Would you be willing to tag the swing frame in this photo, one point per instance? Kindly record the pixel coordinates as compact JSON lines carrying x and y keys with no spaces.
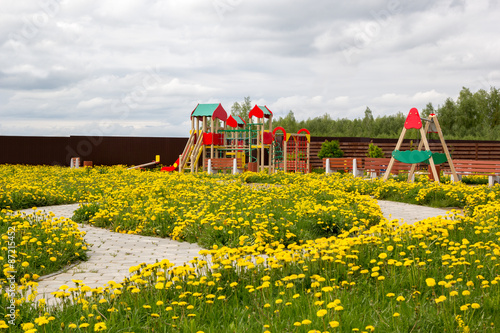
{"x":431,"y":119}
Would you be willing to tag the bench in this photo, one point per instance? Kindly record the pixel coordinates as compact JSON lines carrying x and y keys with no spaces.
{"x":226,"y":165}
{"x":475,"y":167}
{"x":347,"y":164}
{"x":377,"y":166}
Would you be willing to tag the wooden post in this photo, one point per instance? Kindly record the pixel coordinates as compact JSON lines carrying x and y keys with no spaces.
{"x":284,"y":153}
{"x":391,"y":163}
{"x":295,"y":141}
{"x":308,"y":164}
{"x":204,"y":152}
{"x":431,"y":160}
{"x":271,"y":156}
{"x":262,"y":145}
{"x":445,"y":148}
{"x":420,"y":144}
{"x":212,"y":132}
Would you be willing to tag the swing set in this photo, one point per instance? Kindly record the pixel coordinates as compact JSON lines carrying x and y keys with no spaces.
{"x":414,"y":157}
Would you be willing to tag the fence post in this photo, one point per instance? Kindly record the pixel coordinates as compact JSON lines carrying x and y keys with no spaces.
{"x":75,"y":162}
{"x":235,"y":166}
{"x":354,"y":168}
{"x":209,"y":167}
{"x":327,"y":171}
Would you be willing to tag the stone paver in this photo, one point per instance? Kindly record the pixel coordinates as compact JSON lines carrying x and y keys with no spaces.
{"x":407,"y":213}
{"x":112,"y":254}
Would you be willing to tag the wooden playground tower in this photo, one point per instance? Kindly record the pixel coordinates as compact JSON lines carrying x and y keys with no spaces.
{"x":221,"y":140}
{"x":414,"y":157}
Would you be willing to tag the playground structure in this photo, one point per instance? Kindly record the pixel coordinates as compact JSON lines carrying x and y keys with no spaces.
{"x":291,"y":152}
{"x":414,"y":157}
{"x":221,"y":142}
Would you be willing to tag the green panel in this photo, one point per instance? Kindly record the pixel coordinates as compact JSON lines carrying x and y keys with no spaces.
{"x":438,"y":158}
{"x":265,"y":110}
{"x":204,"y":110}
{"x":411,"y":156}
{"x":239,"y":121}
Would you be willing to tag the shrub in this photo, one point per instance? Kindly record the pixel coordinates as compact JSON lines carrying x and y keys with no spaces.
{"x":330,"y":149}
{"x":374,"y":151}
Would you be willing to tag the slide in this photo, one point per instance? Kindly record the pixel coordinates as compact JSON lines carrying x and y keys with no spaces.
{"x":171,"y":168}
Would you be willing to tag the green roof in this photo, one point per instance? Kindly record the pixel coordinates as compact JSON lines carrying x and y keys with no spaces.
{"x":204,"y":110}
{"x":265,"y":110}
{"x":239,"y":120}
{"x":210,"y":110}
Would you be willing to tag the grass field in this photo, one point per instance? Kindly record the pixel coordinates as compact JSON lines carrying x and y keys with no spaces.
{"x":283,"y":253}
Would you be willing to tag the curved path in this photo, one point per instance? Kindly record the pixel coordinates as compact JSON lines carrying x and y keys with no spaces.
{"x":111,"y":254}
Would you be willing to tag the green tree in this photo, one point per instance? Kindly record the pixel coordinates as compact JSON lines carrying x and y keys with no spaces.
{"x":493,"y":107}
{"x":374,"y":151}
{"x":330,"y":149}
{"x":242,"y":109}
{"x":429,"y":108}
{"x":368,"y":122}
{"x":289,"y":123}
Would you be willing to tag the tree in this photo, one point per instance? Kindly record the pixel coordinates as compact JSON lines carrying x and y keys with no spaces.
{"x":429,"y":108}
{"x":242,"y":109}
{"x":289,"y":123}
{"x":374,"y":151}
{"x":493,"y":113}
{"x":330,"y":149}
{"x":368,"y":122}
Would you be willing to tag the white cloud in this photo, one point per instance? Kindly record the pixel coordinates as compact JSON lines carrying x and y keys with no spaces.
{"x":69,"y":65}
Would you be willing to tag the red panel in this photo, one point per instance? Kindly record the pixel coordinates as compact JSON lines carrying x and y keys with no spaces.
{"x":218,"y":139}
{"x":211,"y":138}
{"x":413,"y":120}
{"x":231,"y":122}
{"x":220,"y":113}
{"x":268,"y":138}
{"x":207,"y":139}
{"x":256,"y":112}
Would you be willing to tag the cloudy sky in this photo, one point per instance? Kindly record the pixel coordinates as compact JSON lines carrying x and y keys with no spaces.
{"x":139,"y":67}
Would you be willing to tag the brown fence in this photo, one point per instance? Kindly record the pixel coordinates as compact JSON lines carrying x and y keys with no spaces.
{"x":459,"y":149}
{"x":138,"y":150}
{"x":99,"y":150}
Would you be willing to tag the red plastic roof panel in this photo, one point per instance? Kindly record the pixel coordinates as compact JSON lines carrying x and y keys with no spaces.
{"x":231,"y":122}
{"x":256,"y":112}
{"x":413,"y":119}
{"x":235,"y":121}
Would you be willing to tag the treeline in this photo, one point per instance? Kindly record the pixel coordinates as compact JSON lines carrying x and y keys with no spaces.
{"x":473,"y":116}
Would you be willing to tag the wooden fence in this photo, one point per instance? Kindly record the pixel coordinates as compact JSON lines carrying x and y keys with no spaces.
{"x":459,"y":149}
{"x":138,"y":150}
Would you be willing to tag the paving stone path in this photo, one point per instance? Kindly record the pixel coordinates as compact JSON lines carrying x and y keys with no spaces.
{"x":112,"y":254}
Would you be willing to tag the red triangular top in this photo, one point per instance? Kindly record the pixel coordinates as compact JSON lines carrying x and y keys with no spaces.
{"x":413,"y":120}
{"x":231,"y":122}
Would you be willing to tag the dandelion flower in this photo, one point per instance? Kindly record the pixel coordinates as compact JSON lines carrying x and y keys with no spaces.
{"x":321,"y":313}
{"x":440,"y":299}
{"x":430,"y":282}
